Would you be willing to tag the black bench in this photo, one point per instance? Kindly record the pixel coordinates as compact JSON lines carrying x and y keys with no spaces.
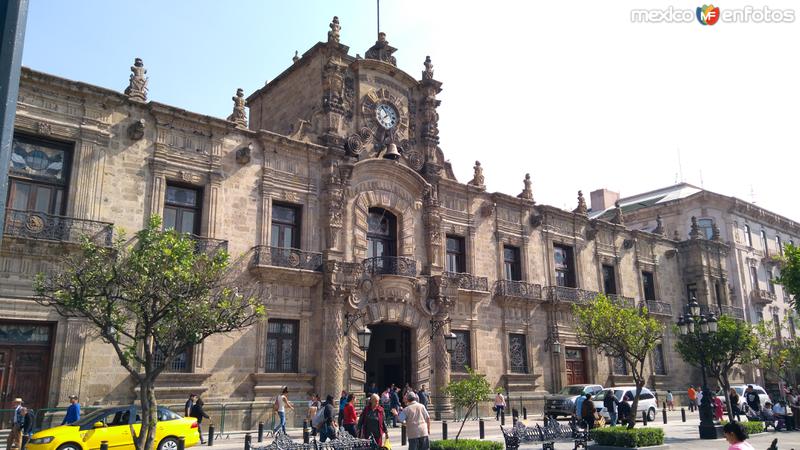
{"x":344,"y":442}
{"x":548,"y":435}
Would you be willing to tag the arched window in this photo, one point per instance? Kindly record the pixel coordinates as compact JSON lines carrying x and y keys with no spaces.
{"x":381,"y":233}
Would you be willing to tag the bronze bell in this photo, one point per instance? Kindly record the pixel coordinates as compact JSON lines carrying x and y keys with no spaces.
{"x":391,"y":152}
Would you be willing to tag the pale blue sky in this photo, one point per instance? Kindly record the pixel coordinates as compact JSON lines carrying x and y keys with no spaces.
{"x":573,"y":93}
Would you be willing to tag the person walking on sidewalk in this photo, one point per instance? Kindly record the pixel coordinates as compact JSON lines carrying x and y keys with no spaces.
{"x":199,"y":414}
{"x":187,"y":407}
{"x":349,"y":421}
{"x":499,"y":405}
{"x":328,"y":427}
{"x":670,"y":401}
{"x":26,"y":429}
{"x":15,"y":435}
{"x":73,"y":411}
{"x":418,"y":422}
{"x":371,"y":423}
{"x":394,"y":403}
{"x":342,"y":402}
{"x":692,"y":395}
{"x":423,"y":396}
{"x":610,"y":402}
{"x":281,"y":402}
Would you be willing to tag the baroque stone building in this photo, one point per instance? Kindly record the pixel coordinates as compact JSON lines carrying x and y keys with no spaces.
{"x":337,"y":193}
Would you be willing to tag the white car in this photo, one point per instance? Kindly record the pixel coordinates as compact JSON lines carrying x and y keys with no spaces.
{"x":740,"y":388}
{"x":647,"y":401}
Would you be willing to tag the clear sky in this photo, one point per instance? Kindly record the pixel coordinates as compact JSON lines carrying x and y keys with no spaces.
{"x":572,"y":92}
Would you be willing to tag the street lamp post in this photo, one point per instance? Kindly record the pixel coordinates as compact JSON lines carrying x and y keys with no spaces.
{"x":706,"y":325}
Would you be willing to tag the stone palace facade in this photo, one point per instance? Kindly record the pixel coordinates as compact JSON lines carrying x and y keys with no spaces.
{"x":337,"y":193}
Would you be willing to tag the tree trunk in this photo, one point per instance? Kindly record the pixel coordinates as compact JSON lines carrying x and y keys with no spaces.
{"x":635,"y":405}
{"x":149,"y":413}
{"x":726,"y":389}
{"x":464,"y":420}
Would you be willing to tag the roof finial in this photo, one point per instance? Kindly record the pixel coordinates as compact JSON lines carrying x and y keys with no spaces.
{"x":714,"y":231}
{"x":333,"y":35}
{"x":694,"y":231}
{"x":137,"y":87}
{"x":239,"y":116}
{"x":617,"y":218}
{"x":527,"y":192}
{"x":296,"y":57}
{"x":477,"y":176}
{"x":427,"y":74}
{"x":659,"y":226}
{"x":581,"y":209}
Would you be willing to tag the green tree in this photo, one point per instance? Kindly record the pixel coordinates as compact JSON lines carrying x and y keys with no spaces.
{"x":619,"y":331}
{"x":778,"y":357}
{"x":150,"y":298}
{"x":735,"y":343}
{"x":467,"y":393}
{"x":790,"y":273}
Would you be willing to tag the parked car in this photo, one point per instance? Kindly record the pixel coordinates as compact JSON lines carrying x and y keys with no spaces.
{"x":740,"y":388}
{"x":563,"y":403}
{"x":116,"y":425}
{"x":647,"y":401}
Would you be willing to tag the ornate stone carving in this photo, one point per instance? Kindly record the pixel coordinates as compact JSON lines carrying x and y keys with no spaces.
{"x":415,"y":159}
{"x":296,"y":57}
{"x":137,"y":87}
{"x":694,"y":231}
{"x":333,"y":35}
{"x":239,"y":116}
{"x":136,"y":130}
{"x":714,"y":231}
{"x":659,"y":229}
{"x":358,"y":142}
{"x":487,"y":209}
{"x":582,"y":209}
{"x":244,"y":154}
{"x":477,"y":176}
{"x":427,"y":74}
{"x":617,"y":218}
{"x":382,"y":51}
{"x":44,"y":128}
{"x":527,"y":191}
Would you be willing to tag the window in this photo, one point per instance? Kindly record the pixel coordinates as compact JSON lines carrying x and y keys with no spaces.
{"x":285,"y":231}
{"x":706,"y":226}
{"x":658,"y":360}
{"x":649,"y":285}
{"x":754,"y":277}
{"x":565,"y":266}
{"x":691,"y":292}
{"x":717,"y":293}
{"x":609,"y":280}
{"x":180,"y":364}
{"x":748,"y":236}
{"x":779,"y":244}
{"x":182,"y":209}
{"x":770,"y":283}
{"x":518,"y":353}
{"x":759,"y":316}
{"x":646,"y":395}
{"x":282,"y":345}
{"x":38,"y":175}
{"x":776,"y":322}
{"x":511,"y":263}
{"x":381,"y":233}
{"x":619,"y":366}
{"x":764,"y":241}
{"x":461,"y":357}
{"x":456,"y":258}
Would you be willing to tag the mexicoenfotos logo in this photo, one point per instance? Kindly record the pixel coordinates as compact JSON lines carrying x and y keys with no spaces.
{"x":707,"y":14}
{"x":710,"y":15}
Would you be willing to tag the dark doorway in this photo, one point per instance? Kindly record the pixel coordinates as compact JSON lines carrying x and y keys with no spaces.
{"x":389,"y":355}
{"x":25,"y":350}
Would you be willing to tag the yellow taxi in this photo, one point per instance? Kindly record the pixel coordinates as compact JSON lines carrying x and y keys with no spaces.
{"x":118,"y":426}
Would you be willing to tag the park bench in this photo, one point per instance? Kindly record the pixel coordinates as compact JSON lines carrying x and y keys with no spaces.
{"x":548,"y":435}
{"x":344,"y":442}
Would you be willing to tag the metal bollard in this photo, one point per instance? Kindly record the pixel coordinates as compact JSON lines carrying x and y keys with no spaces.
{"x":444,"y":430}
{"x":683,"y":415}
{"x":503,"y":417}
{"x":103,"y":445}
{"x":181,"y":443}
{"x":306,"y":433}
{"x":247,"y":441}
{"x":260,"y":431}
{"x":403,"y":437}
{"x":644,"y":418}
{"x":481,"y":431}
{"x":210,"y":435}
{"x":664,"y":415}
{"x":514,"y":417}
{"x":525,"y":413}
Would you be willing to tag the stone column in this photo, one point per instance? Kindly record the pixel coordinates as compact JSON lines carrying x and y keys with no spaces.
{"x":441,"y":370}
{"x":158,"y":189}
{"x":332,"y":347}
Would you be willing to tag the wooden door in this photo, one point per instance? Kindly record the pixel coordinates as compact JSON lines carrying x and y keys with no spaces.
{"x":29,"y":378}
{"x":5,"y":401}
{"x":576,"y":366}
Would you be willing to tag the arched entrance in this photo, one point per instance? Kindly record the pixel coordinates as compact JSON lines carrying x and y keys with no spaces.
{"x":389,"y":355}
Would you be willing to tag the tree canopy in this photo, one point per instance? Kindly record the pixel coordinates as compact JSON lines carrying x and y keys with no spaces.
{"x":467,"y":393}
{"x":790,"y":273}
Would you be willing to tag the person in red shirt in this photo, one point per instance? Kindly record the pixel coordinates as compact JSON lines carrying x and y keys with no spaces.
{"x":350,"y":418}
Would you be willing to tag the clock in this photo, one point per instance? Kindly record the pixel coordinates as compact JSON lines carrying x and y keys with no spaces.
{"x":386,"y":115}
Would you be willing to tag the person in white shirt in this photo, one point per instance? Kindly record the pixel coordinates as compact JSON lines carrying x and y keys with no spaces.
{"x":418,"y":422}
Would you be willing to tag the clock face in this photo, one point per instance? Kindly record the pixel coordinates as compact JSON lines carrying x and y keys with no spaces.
{"x":386,"y":115}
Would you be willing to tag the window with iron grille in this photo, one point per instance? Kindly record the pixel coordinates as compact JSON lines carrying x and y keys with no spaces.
{"x":518,"y":353}
{"x":282,"y":345}
{"x":456,"y":258}
{"x":659,"y":366}
{"x":182,"y":363}
{"x":461,"y":357}
{"x":38,"y":175}
{"x":619,"y":366}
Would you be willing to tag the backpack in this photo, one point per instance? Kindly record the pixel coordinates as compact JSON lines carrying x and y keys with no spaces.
{"x":318,"y":418}
{"x":277,"y":405}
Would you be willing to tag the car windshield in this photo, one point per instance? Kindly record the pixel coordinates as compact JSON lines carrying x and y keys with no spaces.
{"x":737,"y":389}
{"x":572,"y":390}
{"x":602,"y":395}
{"x":94,"y":416}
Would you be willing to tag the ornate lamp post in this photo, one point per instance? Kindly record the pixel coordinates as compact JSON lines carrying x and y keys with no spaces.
{"x":450,"y":342}
{"x":364,"y":337}
{"x":706,"y":324}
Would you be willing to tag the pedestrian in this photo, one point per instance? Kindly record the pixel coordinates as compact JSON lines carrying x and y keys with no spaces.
{"x":499,"y":405}
{"x":733,"y":401}
{"x":611,"y":403}
{"x":779,"y":410}
{"x":313,"y":407}
{"x":394,"y":403}
{"x":717,"y":403}
{"x":26,"y":429}
{"x":281,"y":402}
{"x":73,"y":411}
{"x":624,"y":410}
{"x":423,"y":396}
{"x":418,"y":422}
{"x":187,"y":408}
{"x":373,"y":389}
{"x":328,"y":428}
{"x":588,"y":411}
{"x":670,"y":401}
{"x":342,"y":402}
{"x":692,"y":395}
{"x":199,"y":414}
{"x":752,"y":399}
{"x":350,"y":420}
{"x":736,"y":436}
{"x":14,"y":434}
{"x":371,"y":422}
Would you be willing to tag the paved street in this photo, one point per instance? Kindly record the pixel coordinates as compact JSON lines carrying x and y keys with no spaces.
{"x":679,"y":435}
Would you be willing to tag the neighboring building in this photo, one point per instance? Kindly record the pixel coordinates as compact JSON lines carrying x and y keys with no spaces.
{"x":339,"y":196}
{"x":755,"y":236}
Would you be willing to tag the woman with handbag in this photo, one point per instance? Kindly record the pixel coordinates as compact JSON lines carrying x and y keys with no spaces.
{"x":371,"y":423}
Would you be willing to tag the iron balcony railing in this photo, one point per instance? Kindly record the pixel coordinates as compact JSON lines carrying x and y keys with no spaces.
{"x":659,"y":308}
{"x":762,"y":296}
{"x":390,"y":265}
{"x":468,"y":281}
{"x":38,"y":225}
{"x":519,"y":289}
{"x":292,"y":258}
{"x":569,"y":294}
{"x":627,"y":302}
{"x":727,"y":310}
{"x":208,"y":245}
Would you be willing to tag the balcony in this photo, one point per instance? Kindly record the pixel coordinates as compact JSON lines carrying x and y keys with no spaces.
{"x":49,"y":227}
{"x":390,"y":265}
{"x":762,"y":297}
{"x":290,"y":258}
{"x":468,"y":282}
{"x":517,"y":290}
{"x":569,"y":294}
{"x":208,"y":245}
{"x":732,"y":311}
{"x":627,"y":302}
{"x":658,"y":308}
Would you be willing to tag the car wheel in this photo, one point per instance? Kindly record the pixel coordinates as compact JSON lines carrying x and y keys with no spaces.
{"x":651,"y":414}
{"x":168,"y":444}
{"x":69,"y":446}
